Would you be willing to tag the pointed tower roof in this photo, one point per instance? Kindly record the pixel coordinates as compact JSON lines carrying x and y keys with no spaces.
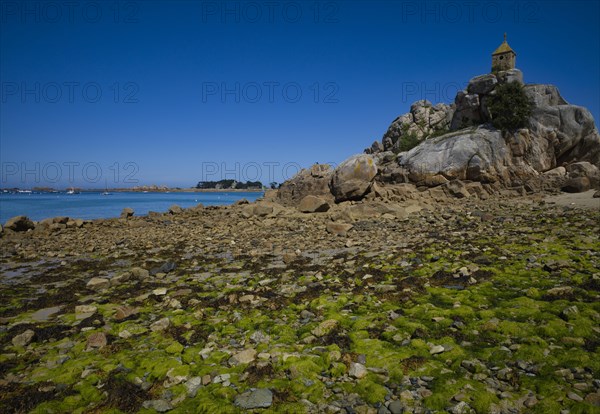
{"x":503,"y":48}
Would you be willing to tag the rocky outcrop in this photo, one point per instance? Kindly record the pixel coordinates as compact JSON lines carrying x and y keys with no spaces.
{"x":558,"y":134}
{"x":476,"y":154}
{"x":559,"y":148}
{"x":423,"y":120}
{"x":564,"y":133}
{"x":472,"y":104}
{"x":352,"y":178}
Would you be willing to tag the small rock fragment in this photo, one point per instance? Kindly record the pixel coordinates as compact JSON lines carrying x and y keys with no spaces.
{"x":257,"y":398}
{"x":24,"y":338}
{"x":98,"y":283}
{"x":357,"y":370}
{"x":160,"y":325}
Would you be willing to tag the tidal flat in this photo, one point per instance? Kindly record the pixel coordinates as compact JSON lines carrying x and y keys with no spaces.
{"x":463,"y":307}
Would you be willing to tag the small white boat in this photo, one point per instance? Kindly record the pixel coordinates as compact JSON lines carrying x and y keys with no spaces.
{"x":106,"y":189}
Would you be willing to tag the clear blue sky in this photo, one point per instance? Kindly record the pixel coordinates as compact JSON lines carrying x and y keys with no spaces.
{"x":172,"y":93}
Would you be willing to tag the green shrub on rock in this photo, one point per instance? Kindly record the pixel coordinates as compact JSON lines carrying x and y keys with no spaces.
{"x":509,"y":107}
{"x":408,"y":142}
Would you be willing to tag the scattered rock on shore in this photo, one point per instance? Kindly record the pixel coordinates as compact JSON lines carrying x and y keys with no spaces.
{"x":19,"y":223}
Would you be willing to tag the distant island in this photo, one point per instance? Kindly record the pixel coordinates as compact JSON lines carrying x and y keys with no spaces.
{"x":232,"y":185}
{"x":202,"y":186}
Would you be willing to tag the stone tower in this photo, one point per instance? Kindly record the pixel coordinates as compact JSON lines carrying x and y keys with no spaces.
{"x":504,"y":57}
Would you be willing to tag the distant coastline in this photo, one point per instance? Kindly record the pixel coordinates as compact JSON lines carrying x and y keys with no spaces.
{"x":133,"y":190}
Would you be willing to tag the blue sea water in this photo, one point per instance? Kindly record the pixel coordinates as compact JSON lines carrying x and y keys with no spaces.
{"x":93,"y":205}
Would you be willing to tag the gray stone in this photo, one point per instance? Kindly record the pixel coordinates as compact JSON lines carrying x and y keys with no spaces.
{"x":383,"y":410}
{"x":160,"y":325}
{"x":461,"y":408}
{"x":161,"y":406}
{"x":257,"y":398}
{"x":84,"y":311}
{"x":573,"y":396}
{"x":192,"y":385}
{"x":436,"y":349}
{"x":396,"y":407}
{"x":23,"y":339}
{"x":357,"y":370}
{"x":259,"y":337}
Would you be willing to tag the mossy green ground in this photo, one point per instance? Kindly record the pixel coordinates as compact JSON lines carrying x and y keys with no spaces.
{"x":506,"y":313}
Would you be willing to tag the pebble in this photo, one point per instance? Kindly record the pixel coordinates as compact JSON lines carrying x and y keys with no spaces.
{"x":98,"y":283}
{"x":325,"y":327}
{"x":192,"y":385}
{"x":436,"y":349}
{"x":161,"y":406}
{"x":97,"y":340}
{"x":243,"y":357}
{"x":160,"y":325}
{"x":357,"y":370}
{"x":24,"y":338}
{"x":256,"y":398}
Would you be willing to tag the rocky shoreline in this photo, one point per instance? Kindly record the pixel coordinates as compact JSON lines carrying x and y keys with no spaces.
{"x":476,"y":304}
{"x":442,"y":271}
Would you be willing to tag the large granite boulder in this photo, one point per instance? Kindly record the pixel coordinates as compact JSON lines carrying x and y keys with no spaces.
{"x":473,"y":154}
{"x":312,"y":181}
{"x":313,"y":204}
{"x":482,"y":84}
{"x":511,"y":75}
{"x":352,"y":178}
{"x":563,"y":133}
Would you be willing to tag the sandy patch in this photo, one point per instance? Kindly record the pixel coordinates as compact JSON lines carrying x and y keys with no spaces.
{"x":585,"y":200}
